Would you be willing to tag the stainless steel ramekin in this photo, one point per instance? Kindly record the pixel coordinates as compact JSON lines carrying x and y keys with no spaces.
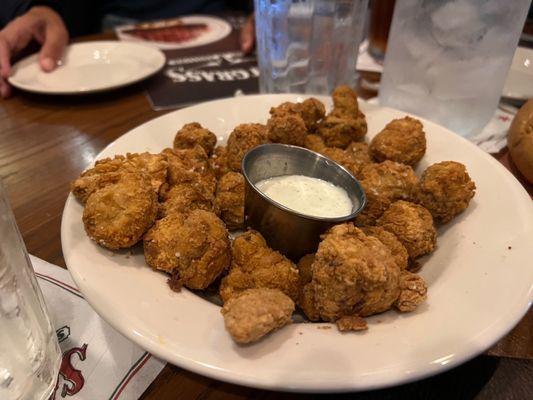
{"x":286,"y":230}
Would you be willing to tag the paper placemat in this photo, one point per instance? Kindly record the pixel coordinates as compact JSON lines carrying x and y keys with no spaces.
{"x":98,"y":362}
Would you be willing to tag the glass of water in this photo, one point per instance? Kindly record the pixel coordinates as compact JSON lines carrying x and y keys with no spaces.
{"x":447,"y":60}
{"x":29,"y":352}
{"x":308,"y":46}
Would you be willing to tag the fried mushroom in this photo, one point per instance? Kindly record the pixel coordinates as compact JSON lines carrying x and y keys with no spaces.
{"x":413,"y":292}
{"x":390,"y":240}
{"x":287,"y":128}
{"x":311,"y":110}
{"x":118,"y":215}
{"x":412,"y":224}
{"x":254,"y":313}
{"x":255,"y":265}
{"x":315,"y":143}
{"x":244,"y":137}
{"x":353,"y":274}
{"x":193,"y":134}
{"x":385,"y":183}
{"x":194,"y":247}
{"x":446,"y":190}
{"x":218,"y":161}
{"x":109,"y":170}
{"x":402,"y":140}
{"x":229,"y":200}
{"x":185,"y":197}
{"x":189,"y":166}
{"x":345,"y":123}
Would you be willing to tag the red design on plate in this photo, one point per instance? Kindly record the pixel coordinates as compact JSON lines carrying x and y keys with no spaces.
{"x":177,"y":33}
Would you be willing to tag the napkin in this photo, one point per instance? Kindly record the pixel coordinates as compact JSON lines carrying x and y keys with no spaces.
{"x":98,"y":362}
{"x":493,"y":137}
{"x":365,"y":62}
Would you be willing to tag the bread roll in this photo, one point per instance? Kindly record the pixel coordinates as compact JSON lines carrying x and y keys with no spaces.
{"x":520,"y":140}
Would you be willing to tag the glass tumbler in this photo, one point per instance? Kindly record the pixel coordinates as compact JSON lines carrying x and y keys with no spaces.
{"x":29,"y":351}
{"x":308,"y":46}
{"x":379,"y":27}
{"x":447,"y":60}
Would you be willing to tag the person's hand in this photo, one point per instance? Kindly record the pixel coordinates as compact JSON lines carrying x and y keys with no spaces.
{"x":247,"y":38}
{"x":40,"y":23}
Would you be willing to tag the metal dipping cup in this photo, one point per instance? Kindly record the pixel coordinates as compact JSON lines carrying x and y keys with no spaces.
{"x":286,"y":230}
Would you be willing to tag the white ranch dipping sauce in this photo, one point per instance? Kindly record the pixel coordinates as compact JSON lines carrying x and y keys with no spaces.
{"x":306,"y":195}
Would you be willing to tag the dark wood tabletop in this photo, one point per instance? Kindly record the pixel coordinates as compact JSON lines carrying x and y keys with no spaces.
{"x":46,"y":141}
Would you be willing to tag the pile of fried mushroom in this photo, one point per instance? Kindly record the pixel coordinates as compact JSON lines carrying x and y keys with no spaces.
{"x":183,"y":202}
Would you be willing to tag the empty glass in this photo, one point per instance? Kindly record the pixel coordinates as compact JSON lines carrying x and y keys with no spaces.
{"x":308,"y":46}
{"x":29,"y":351}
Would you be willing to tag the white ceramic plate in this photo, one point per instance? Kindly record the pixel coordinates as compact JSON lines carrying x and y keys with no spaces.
{"x":216,"y":29}
{"x":90,"y":67}
{"x":480,"y":280}
{"x":519,"y":83}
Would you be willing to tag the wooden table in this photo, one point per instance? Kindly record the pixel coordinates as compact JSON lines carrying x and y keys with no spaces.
{"x":45,"y":142}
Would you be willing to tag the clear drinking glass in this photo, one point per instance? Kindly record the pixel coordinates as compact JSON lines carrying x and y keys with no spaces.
{"x":308,"y":46}
{"x":29,"y":351}
{"x":447,"y":60}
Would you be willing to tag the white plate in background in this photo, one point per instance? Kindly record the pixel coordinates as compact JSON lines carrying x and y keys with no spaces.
{"x":216,"y":29}
{"x":519,"y":83}
{"x":89,"y":67}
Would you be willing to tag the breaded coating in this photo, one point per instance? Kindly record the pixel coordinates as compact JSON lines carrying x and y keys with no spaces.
{"x":255,"y":265}
{"x":229,"y":200}
{"x":446,"y":190}
{"x":351,"y":323}
{"x":195,"y":246}
{"x":219,"y":161}
{"x":353,"y":158}
{"x":311,"y":110}
{"x":402,"y":140}
{"x":376,"y":204}
{"x":243,"y":138}
{"x":256,"y":312}
{"x":353,"y":274}
{"x":117,"y":215}
{"x":306,"y":297}
{"x":344,"y":158}
{"x":306,"y":301}
{"x":287,"y":128}
{"x":189,"y":166}
{"x":305,"y":268}
{"x":383,"y":184}
{"x":108,"y":171}
{"x":195,"y":134}
{"x":390,"y":240}
{"x":345,"y":100}
{"x":86,"y":185}
{"x":413,"y":226}
{"x":185,"y":197}
{"x":345,"y":123}
{"x":360,"y":152}
{"x":315,"y":143}
{"x":340,"y":130}
{"x":413,"y":292}
{"x":391,"y":179}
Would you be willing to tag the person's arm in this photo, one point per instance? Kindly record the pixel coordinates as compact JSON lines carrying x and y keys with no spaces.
{"x":40,"y":23}
{"x":247,"y":38}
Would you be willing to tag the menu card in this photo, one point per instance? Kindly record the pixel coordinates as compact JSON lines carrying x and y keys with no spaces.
{"x":196,"y":73}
